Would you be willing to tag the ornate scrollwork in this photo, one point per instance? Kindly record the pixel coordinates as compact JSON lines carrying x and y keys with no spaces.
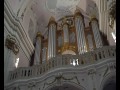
{"x":58,"y":78}
{"x":11,"y":44}
{"x":91,"y":71}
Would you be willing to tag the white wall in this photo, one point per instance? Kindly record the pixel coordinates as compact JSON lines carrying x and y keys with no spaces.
{"x":9,"y":28}
{"x":29,"y":15}
{"x":23,"y":61}
{"x":23,"y":7}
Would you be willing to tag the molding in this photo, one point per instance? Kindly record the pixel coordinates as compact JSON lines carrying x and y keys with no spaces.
{"x":16,"y":29}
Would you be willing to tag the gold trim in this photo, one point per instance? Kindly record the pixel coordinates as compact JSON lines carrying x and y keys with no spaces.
{"x":67,"y":46}
{"x":77,"y":10}
{"x":11,"y":44}
{"x":78,"y":13}
{"x":51,"y":21}
{"x":39,"y":34}
{"x":93,"y":18}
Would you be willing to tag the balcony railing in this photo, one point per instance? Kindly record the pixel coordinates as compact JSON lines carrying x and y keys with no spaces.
{"x":99,"y":54}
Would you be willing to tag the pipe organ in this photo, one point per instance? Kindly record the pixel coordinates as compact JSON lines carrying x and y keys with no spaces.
{"x":69,"y":35}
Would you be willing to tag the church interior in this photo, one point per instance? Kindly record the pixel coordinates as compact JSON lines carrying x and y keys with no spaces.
{"x":59,"y":44}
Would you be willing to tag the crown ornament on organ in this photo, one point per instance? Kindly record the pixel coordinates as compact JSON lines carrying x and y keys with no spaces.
{"x":92,"y":18}
{"x":51,"y":19}
{"x":77,"y":10}
{"x":39,"y":34}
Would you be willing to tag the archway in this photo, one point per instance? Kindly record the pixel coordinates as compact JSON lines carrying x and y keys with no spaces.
{"x":109,"y":82}
{"x":66,"y":86}
{"x":110,"y":86}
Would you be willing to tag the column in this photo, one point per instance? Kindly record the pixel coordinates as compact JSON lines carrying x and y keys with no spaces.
{"x":96,"y":33}
{"x":37,"y":58}
{"x":80,"y":34}
{"x":103,"y":18}
{"x":52,"y":38}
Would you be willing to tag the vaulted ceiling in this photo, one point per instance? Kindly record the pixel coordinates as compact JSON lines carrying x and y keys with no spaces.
{"x":44,"y":9}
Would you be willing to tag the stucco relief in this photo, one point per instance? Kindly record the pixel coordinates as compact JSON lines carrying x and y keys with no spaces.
{"x":12,"y":45}
{"x":59,"y":79}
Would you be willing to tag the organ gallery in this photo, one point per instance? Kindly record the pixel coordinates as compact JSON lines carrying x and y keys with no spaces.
{"x":59,"y":44}
{"x":68,"y":35}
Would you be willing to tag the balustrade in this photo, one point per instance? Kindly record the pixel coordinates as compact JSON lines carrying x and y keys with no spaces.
{"x":63,"y":60}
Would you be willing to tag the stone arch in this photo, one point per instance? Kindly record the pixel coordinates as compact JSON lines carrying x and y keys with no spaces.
{"x":66,"y":84}
{"x":111,"y":77}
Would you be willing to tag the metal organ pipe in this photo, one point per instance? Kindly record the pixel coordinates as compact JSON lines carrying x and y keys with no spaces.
{"x":96,"y":33}
{"x":80,"y":33}
{"x":52,"y":38}
{"x":54,"y":41}
{"x":66,"y":33}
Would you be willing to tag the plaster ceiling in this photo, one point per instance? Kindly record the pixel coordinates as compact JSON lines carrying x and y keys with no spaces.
{"x":44,"y":9}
